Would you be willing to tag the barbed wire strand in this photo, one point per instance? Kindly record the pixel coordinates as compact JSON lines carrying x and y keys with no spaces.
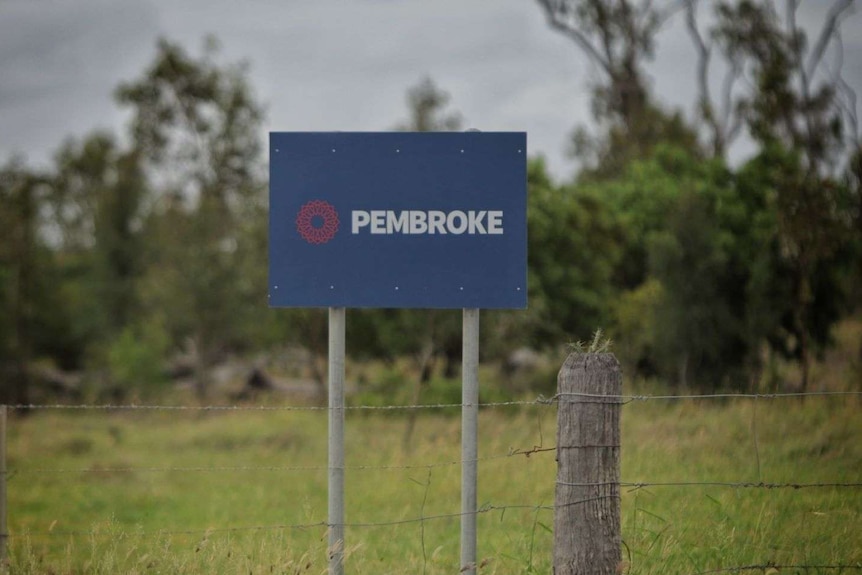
{"x":521,"y":403}
{"x":136,"y":407}
{"x":226,"y":469}
{"x":634,"y":486}
{"x":250,"y":468}
{"x":778,"y":566}
{"x":514,"y":452}
{"x":633,"y":398}
{"x":163,"y":532}
{"x":487,"y":508}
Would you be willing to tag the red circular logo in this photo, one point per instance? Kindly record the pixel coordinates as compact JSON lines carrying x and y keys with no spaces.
{"x":317,"y":222}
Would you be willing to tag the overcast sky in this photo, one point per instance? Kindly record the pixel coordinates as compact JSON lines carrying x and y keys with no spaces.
{"x":324,"y":64}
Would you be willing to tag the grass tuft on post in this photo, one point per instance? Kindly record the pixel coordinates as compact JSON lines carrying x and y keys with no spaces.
{"x":587,"y":538}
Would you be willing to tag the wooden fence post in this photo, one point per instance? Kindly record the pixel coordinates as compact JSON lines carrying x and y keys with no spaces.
{"x":587,"y":538}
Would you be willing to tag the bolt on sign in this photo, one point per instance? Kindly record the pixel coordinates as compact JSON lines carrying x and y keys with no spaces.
{"x":398,"y":220}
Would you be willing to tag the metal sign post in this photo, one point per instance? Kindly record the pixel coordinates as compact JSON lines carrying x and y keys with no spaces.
{"x":336,"y":440}
{"x":469,"y":438}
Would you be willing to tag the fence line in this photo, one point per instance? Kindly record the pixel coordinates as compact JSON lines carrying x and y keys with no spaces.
{"x":539,"y":401}
{"x":488,"y":508}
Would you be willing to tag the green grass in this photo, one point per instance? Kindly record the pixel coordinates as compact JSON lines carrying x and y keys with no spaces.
{"x":101,"y":492}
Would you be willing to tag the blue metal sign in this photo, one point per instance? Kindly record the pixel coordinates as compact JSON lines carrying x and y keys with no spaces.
{"x":398,"y":220}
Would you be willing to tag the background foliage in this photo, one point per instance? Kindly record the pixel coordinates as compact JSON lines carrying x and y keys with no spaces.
{"x":140,"y":256}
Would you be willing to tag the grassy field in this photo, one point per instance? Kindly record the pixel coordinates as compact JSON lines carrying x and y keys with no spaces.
{"x":174,"y":492}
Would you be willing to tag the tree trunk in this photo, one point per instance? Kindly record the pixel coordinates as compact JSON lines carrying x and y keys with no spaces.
{"x":682,"y":376}
{"x":23,"y":298}
{"x":804,"y":359}
{"x":804,"y":301}
{"x":201,"y":369}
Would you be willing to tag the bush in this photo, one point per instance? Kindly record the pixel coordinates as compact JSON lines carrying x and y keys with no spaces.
{"x":135,"y":358}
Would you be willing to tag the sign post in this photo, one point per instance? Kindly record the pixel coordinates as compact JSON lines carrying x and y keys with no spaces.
{"x":335,"y":517}
{"x":469,"y":438}
{"x":399,"y":220}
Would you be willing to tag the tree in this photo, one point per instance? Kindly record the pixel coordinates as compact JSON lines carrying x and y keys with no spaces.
{"x":700,"y":316}
{"x":573,"y":249}
{"x":721,"y":115}
{"x":18,"y":276}
{"x":854,"y":186}
{"x":618,"y":37}
{"x":795,"y":114}
{"x":712,"y":264}
{"x":196,"y":125}
{"x":809,"y":261}
{"x":96,"y":200}
{"x":679,"y":308}
{"x":702,"y":285}
{"x":794,"y":101}
{"x":426,"y":105}
{"x":71,"y":256}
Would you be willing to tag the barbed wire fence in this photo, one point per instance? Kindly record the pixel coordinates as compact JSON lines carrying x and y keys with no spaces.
{"x":7,"y":474}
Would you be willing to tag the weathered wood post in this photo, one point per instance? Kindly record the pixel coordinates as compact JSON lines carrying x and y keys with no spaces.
{"x":587,"y":537}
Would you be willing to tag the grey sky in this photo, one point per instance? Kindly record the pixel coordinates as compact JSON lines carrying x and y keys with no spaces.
{"x":323,"y":64}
